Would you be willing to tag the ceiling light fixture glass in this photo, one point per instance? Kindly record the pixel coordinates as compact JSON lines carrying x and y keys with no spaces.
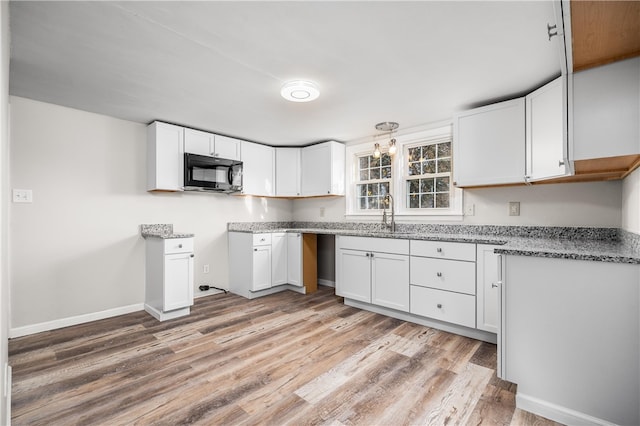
{"x":300,"y":91}
{"x":376,"y":150}
{"x":387,"y":126}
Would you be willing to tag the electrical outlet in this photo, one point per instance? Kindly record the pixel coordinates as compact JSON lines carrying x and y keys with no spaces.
{"x":514,"y":208}
{"x":470,"y":210}
{"x":22,"y":196}
{"x":205,"y":269}
{"x":321,"y":211}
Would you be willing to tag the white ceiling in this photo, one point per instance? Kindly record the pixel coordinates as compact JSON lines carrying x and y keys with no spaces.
{"x":219,"y":66}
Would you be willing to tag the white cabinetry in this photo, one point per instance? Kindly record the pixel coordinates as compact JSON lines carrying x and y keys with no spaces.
{"x":488,"y":295}
{"x":288,"y":172}
{"x":168,"y":277}
{"x":323,"y":168}
{"x":204,"y":143}
{"x":373,"y":270}
{"x":489,"y":144}
{"x":165,"y":159}
{"x":279,"y":243}
{"x":606,"y":111}
{"x":571,"y":338}
{"x":261,"y":262}
{"x":258,"y":169}
{"x":294,"y":259}
{"x":443,"y":286}
{"x":546,"y":122}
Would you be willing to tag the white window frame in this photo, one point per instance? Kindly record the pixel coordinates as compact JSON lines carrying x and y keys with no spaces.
{"x":372,"y":181}
{"x":398,"y":170}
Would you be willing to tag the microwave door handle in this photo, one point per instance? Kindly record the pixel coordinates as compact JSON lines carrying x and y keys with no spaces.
{"x":230,"y":175}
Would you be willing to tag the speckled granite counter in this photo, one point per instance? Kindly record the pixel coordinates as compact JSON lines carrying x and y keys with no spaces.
{"x":161,"y":230}
{"x":596,"y":244}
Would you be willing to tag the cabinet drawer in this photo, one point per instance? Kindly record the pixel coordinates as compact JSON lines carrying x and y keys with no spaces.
{"x":451,"y":275}
{"x":444,"y":306}
{"x":381,"y":245}
{"x":178,"y":245}
{"x":261,"y":239}
{"x":444,"y":250}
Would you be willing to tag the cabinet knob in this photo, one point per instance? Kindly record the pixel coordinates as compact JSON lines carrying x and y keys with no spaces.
{"x":439,"y":250}
{"x":328,"y":192}
{"x":494,"y":285}
{"x":371,"y":254}
{"x":179,"y":245}
{"x":560,"y":163}
{"x":367,"y":254}
{"x":439,"y":274}
{"x":193,"y":255}
{"x":439,"y":305}
{"x":255,"y":249}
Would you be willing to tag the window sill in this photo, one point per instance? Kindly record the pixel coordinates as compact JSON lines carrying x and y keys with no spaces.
{"x":408,"y":217}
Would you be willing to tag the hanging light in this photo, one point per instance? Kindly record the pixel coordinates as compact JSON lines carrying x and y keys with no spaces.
{"x":376,"y":150}
{"x":387,"y":126}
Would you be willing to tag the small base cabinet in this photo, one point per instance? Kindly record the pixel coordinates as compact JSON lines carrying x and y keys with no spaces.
{"x":169,"y":277}
{"x":488,"y":297}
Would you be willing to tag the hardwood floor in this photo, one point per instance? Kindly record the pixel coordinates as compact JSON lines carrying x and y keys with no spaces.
{"x":280,"y":359}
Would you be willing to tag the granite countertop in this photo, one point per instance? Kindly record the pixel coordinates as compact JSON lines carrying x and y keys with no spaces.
{"x":161,"y":230}
{"x":595,"y":244}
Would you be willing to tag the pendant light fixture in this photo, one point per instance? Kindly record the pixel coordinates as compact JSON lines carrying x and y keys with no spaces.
{"x":386,"y":126}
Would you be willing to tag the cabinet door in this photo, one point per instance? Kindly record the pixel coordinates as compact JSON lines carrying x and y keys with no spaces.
{"x":546,"y":131}
{"x":198,"y":142}
{"x":390,"y":281}
{"x":489,"y":145}
{"x":353,"y":275}
{"x":278,"y":259}
{"x":261,"y":268}
{"x":488,"y":293}
{"x":226,"y":147}
{"x":287,"y":172}
{"x":257,"y":169}
{"x":316,"y":170}
{"x":178,"y":281}
{"x":294,"y":259}
{"x":165,"y":157}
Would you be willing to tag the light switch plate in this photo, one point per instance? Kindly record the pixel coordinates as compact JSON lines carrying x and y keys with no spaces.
{"x":469,"y":209}
{"x":22,"y":196}
{"x":514,"y":208}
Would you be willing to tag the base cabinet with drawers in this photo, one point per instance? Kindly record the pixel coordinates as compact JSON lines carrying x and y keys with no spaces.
{"x":428,"y":282}
{"x":168,"y":277}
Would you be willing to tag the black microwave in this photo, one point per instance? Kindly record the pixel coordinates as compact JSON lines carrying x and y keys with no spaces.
{"x":204,"y":173}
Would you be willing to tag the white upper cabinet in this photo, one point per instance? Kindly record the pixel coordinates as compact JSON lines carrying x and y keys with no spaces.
{"x":287,"y":172}
{"x":606,"y":111}
{"x":489,"y":144}
{"x":204,"y":143}
{"x":258,"y":169}
{"x":546,"y":141}
{"x":323,"y":168}
{"x":165,"y":164}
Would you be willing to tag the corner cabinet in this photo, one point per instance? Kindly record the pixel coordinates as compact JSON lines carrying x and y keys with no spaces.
{"x":288,"y":172}
{"x":168,"y":277}
{"x":165,"y":164}
{"x":258,"y":169}
{"x":323,"y":169}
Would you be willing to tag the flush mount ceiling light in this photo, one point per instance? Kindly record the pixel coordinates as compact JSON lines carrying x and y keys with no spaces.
{"x":300,"y":91}
{"x":386,"y":126}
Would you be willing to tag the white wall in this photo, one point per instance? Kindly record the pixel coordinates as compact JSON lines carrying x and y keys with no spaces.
{"x":5,"y":409}
{"x":573,"y":204}
{"x":76,"y":249}
{"x":631,"y":202}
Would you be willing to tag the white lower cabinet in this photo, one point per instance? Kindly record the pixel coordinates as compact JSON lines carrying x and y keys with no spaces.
{"x":168,"y":277}
{"x":278,"y":259}
{"x":261,"y":265}
{"x":369,"y":276}
{"x":294,"y":259}
{"x":444,"y":305}
{"x":488,"y":296}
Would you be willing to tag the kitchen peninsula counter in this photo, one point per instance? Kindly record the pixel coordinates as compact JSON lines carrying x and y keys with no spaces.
{"x":579,"y":243}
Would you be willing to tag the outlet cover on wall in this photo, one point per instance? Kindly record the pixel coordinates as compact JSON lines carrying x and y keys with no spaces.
{"x":469,"y":209}
{"x":514,"y":208}
{"x":205,"y":269}
{"x":22,"y":196}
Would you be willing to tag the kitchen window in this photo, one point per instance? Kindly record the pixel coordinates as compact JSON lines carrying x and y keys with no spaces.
{"x":428,"y":179}
{"x":374,"y":181}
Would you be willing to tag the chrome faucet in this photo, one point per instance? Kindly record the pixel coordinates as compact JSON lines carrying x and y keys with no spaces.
{"x":392,"y":225}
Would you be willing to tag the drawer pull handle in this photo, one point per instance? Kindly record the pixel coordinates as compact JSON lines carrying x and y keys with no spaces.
{"x":439,"y":305}
{"x":439,"y":250}
{"x":494,"y":285}
{"x":439,"y":274}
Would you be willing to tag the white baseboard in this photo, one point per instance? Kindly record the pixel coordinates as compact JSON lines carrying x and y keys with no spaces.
{"x":326,"y":283}
{"x":79,"y":319}
{"x":556,"y":413}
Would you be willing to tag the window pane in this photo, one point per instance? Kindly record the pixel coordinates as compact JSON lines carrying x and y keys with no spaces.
{"x":444,"y":166}
{"x":374,"y":162}
{"x":386,"y":159}
{"x":429,"y":167}
{"x":361,"y":190}
{"x":429,"y":152}
{"x":414,"y":186}
{"x":362,"y":201}
{"x":442,"y":184}
{"x":374,"y":189}
{"x":444,"y":149}
{"x":442,"y":200}
{"x":414,"y":154}
{"x":364,"y":162}
{"x":364,"y":174}
{"x":426,"y":185}
{"x":384,"y":188}
{"x":414,"y":169}
{"x":414,"y":202}
{"x":375,"y":173}
{"x":426,"y":201}
{"x":373,"y":203}
{"x":386,"y":172}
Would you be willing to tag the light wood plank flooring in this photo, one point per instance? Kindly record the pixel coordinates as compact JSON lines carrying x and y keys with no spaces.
{"x":281,"y":359}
